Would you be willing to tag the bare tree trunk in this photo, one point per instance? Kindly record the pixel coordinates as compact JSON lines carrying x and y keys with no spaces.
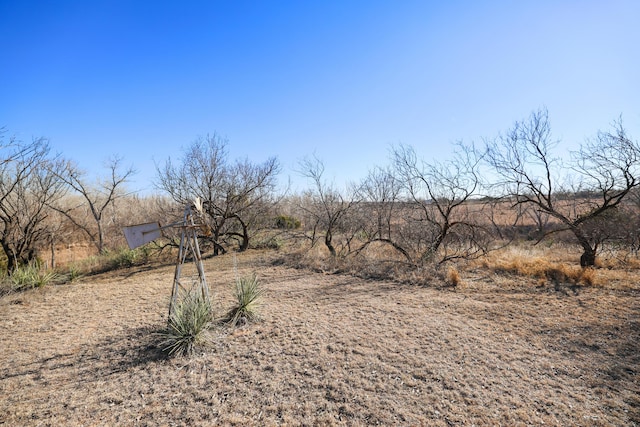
{"x":588,"y":257}
{"x":100,"y":237}
{"x":12,"y":261}
{"x":244,"y":244}
{"x":217,"y":247}
{"x":328,"y":237}
{"x":53,"y":254}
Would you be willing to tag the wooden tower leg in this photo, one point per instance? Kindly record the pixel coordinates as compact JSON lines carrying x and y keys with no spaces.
{"x":188,"y":246}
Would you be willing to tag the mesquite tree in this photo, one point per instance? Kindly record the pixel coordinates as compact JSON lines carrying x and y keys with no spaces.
{"x":439,"y":224}
{"x":29,"y":184}
{"x":96,"y":198}
{"x":606,"y":167}
{"x":234,"y":195}
{"x":383,"y":210}
{"x":327,"y":209}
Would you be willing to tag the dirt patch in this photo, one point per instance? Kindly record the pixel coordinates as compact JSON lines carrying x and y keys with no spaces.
{"x":330,"y":350}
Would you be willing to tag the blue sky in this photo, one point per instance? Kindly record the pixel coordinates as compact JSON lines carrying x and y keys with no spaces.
{"x":342,"y":79}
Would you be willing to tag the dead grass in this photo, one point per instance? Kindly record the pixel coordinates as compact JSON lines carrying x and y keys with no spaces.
{"x":537,"y":264}
{"x":330,"y":350}
{"x":453,"y":276}
{"x":557,"y":266}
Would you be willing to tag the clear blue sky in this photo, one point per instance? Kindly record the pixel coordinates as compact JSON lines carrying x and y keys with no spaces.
{"x":343,"y":79}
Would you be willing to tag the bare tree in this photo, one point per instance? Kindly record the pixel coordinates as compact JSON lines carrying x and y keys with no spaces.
{"x":248,"y":198}
{"x":438,"y":217}
{"x":29,"y":183}
{"x":382,"y":209}
{"x":606,"y":167}
{"x":96,"y":198}
{"x":233,"y":194}
{"x":381,"y":189}
{"x":325,"y":207}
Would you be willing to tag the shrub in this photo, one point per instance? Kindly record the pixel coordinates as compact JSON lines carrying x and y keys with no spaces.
{"x":30,"y":276}
{"x":189,"y":321}
{"x":286,"y":222}
{"x":121,"y":258}
{"x":248,"y":293}
{"x":124,"y":258}
{"x":268,"y":242}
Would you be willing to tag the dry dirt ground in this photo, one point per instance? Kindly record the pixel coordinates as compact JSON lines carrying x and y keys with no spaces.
{"x":330,"y":350}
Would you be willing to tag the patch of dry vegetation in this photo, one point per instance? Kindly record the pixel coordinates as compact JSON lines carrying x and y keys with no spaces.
{"x":525,"y":262}
{"x":557,"y":266}
{"x":453,"y":276}
{"x":329,"y":350}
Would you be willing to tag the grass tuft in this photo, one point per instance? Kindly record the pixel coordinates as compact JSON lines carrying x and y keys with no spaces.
{"x":189,"y":323}
{"x":30,"y":276}
{"x":248,"y":294}
{"x":588,"y":276}
{"x":74,"y":273}
{"x":453,"y":277}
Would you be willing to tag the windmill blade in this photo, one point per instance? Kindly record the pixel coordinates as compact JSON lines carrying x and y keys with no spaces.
{"x":198,"y":205}
{"x":138,"y":235}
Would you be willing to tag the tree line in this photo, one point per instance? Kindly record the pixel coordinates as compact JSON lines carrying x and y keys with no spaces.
{"x":412,"y":210}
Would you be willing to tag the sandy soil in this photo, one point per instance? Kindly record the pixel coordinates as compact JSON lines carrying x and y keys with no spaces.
{"x":330,"y":350}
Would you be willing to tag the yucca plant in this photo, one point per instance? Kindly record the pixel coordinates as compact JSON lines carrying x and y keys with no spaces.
{"x":248,"y":293}
{"x":189,"y":321}
{"x":74,"y":273}
{"x":30,"y":276}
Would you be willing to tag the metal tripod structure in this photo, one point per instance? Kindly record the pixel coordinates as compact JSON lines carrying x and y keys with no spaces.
{"x":189,"y":250}
{"x":189,"y":247}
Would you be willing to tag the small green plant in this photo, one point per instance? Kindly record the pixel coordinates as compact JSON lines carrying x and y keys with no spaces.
{"x":123,"y":258}
{"x":268,"y":242}
{"x":30,"y":276}
{"x":74,"y":273}
{"x":248,"y":293}
{"x":189,"y":321}
{"x":286,"y":222}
